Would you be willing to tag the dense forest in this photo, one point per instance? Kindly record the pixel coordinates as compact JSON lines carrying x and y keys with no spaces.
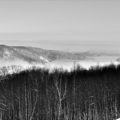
{"x":77,"y":95}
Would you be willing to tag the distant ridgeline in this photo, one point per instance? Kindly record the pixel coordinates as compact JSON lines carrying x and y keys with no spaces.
{"x":77,"y":95}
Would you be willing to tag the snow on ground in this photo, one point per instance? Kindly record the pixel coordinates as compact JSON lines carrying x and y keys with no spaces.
{"x":86,"y":64}
{"x":83,"y":64}
{"x":16,"y":62}
{"x":6,"y":54}
{"x":118,"y":119}
{"x":60,"y":64}
{"x":44,"y":59}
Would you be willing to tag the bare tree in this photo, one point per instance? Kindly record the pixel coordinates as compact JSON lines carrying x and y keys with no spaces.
{"x":61,"y":94}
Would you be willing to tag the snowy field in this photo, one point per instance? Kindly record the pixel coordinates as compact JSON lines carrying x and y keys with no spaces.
{"x":86,"y":64}
{"x":61,"y":64}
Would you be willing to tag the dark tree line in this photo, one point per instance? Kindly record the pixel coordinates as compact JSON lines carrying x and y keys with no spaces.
{"x":75,"y":95}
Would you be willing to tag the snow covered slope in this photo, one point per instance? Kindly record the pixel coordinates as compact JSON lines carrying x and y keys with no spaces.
{"x":84,"y":64}
{"x":17,"y":58}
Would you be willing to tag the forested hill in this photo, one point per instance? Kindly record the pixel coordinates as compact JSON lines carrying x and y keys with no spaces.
{"x":75,"y":95}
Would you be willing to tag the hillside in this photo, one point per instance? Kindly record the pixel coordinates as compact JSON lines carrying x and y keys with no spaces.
{"x":27,"y":57}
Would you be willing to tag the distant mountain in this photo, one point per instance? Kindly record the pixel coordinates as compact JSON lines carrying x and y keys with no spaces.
{"x":36,"y":55}
{"x":17,"y":58}
{"x":20,"y":53}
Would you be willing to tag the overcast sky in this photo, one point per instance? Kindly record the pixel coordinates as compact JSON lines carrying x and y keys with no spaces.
{"x":72,"y":25}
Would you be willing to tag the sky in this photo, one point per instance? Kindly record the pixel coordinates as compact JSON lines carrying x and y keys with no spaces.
{"x":70,"y":25}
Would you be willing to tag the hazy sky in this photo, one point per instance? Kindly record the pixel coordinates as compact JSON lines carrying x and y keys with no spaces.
{"x":72,"y":25}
